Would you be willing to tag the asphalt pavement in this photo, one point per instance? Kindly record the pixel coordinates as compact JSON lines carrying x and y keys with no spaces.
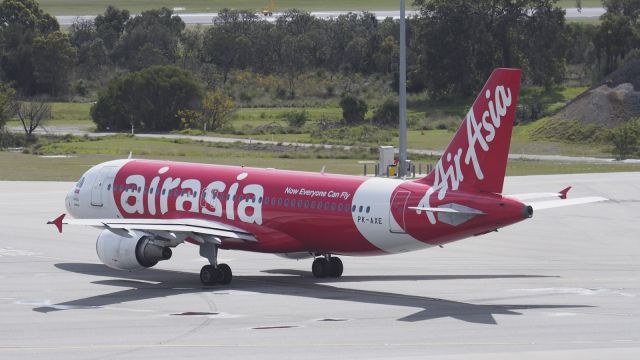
{"x":562,"y":285}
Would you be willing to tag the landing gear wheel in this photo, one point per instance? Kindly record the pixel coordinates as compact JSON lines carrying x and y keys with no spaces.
{"x":320,"y":267}
{"x":227,"y":275}
{"x":335,"y":267}
{"x":209,"y":275}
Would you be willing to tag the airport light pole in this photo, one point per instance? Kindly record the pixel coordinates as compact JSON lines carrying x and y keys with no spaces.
{"x":403,"y":94}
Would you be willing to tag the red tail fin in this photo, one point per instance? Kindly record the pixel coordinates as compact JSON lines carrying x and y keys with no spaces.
{"x":476,"y":158}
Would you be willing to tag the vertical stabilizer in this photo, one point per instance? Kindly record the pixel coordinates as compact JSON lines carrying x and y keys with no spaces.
{"x":476,"y":158}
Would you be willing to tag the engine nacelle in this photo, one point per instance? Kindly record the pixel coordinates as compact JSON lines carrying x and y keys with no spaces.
{"x":133,"y":252}
{"x":296,"y":255}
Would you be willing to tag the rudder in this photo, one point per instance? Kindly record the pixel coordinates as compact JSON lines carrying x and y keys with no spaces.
{"x":476,"y":158}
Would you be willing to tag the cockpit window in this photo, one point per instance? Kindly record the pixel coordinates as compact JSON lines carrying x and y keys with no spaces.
{"x":80,"y":182}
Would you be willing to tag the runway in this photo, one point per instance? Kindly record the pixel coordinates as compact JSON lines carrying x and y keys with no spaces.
{"x":207,"y":18}
{"x":563,"y":285}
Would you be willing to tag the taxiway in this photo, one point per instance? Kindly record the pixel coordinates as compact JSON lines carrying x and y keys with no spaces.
{"x":563,"y":285}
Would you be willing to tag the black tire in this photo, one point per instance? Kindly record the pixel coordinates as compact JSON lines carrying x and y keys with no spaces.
{"x":320,"y":268}
{"x":209,"y":275}
{"x":335,"y":267}
{"x":227,"y":274}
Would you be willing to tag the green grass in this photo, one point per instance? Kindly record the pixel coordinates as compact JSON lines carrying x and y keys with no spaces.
{"x":18,"y":166}
{"x":585,"y":3}
{"x":72,"y":7}
{"x":66,"y":114}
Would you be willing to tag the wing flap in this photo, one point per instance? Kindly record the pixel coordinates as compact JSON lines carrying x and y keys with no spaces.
{"x":196,"y":226}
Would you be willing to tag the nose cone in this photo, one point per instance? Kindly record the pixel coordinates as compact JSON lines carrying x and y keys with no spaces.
{"x":69,"y":201}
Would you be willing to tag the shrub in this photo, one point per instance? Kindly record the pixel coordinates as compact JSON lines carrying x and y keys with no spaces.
{"x":353,"y":109}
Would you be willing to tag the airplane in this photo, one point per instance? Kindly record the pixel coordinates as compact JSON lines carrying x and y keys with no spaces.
{"x":148,"y":207}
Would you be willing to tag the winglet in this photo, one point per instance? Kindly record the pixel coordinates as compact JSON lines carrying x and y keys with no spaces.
{"x":58,"y":222}
{"x":563,"y":192}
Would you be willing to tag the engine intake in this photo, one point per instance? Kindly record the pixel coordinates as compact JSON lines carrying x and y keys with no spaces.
{"x":132,"y":252}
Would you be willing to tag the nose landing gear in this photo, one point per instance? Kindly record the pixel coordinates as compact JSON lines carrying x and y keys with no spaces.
{"x":327,"y":266}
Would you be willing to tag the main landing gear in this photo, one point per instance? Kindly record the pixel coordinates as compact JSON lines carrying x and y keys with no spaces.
{"x":327,"y":266}
{"x":214,"y":273}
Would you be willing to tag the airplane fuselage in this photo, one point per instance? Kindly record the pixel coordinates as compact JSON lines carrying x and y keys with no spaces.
{"x":290,"y":211}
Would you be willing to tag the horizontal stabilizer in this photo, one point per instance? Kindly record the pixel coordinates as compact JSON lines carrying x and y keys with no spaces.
{"x":448,"y":210}
{"x":562,"y":194}
{"x":542,"y":205}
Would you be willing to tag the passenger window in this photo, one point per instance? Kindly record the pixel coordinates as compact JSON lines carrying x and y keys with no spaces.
{"x":326,"y":205}
{"x":240,"y":198}
{"x":195,"y":194}
{"x":260,"y":200}
{"x":313,"y":204}
{"x":299,"y":203}
{"x":109,"y":187}
{"x":353,"y":209}
{"x":333,"y":206}
{"x":360,"y":209}
{"x":368,"y":208}
{"x":279,"y":202}
{"x":286,"y":202}
{"x":340,"y":207}
{"x":150,"y":190}
{"x":164,"y":191}
{"x":306,"y":204}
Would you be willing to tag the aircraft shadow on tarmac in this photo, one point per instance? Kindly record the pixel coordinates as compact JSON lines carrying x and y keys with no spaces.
{"x":157,"y":283}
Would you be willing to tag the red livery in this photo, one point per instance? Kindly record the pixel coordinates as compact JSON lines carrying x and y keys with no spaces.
{"x":148,"y":207}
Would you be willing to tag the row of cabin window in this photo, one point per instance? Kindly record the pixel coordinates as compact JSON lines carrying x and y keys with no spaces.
{"x":274,"y":201}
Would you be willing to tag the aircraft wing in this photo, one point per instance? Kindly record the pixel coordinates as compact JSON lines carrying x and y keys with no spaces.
{"x":194,"y":228}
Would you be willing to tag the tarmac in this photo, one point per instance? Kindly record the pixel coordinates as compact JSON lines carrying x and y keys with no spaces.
{"x":208,"y":18}
{"x":563,"y":285}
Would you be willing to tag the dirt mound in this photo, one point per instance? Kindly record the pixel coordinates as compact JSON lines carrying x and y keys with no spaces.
{"x":604,"y":105}
{"x":614,"y":101}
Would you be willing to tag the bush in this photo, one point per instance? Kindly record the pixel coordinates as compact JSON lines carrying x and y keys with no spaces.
{"x":149,"y":100}
{"x":353,"y":109}
{"x":625,"y":139}
{"x":296,"y":119}
{"x":387,"y":114}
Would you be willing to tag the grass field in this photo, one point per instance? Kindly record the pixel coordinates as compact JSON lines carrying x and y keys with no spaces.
{"x":91,"y":7}
{"x":85,"y":153}
{"x":66,"y":114}
{"x":425,"y":112}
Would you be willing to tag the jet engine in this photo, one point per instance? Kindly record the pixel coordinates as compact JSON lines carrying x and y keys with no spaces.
{"x":133,"y":251}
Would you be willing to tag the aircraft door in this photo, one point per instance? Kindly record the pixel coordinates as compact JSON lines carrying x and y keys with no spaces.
{"x":398,"y":206}
{"x":102,"y":184}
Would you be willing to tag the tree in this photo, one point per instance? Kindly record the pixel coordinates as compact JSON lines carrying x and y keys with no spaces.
{"x":53,"y":61}
{"x":32,"y":115}
{"x":625,"y":139}
{"x":216,"y":109}
{"x":21,"y":21}
{"x":463,"y":41}
{"x":614,"y":39}
{"x":353,"y":109}
{"x":7,"y":105}
{"x":110,"y":25}
{"x":149,"y":100}
{"x":149,"y":39}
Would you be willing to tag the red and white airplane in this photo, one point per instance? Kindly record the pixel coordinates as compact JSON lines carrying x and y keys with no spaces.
{"x":148,"y":207}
